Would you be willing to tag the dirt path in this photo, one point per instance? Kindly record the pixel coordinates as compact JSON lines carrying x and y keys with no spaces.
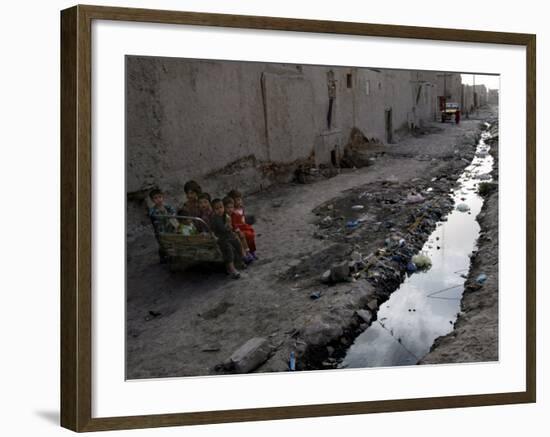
{"x":187,"y":323}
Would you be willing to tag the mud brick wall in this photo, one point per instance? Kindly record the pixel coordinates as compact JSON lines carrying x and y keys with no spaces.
{"x":219,"y":121}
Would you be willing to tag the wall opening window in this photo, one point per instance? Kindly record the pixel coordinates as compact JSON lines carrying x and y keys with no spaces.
{"x":349,"y":80}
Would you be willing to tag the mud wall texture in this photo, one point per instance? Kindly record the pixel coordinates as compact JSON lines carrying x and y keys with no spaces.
{"x":219,"y":122}
{"x":472,"y":99}
{"x":481,"y":95}
{"x":450,"y":85}
{"x":492,"y":97}
{"x":467,"y":101}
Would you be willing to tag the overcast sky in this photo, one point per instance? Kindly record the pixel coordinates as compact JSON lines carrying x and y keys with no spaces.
{"x":490,"y":81}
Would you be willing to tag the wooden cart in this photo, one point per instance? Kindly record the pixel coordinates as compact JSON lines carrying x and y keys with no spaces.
{"x":185,"y":250}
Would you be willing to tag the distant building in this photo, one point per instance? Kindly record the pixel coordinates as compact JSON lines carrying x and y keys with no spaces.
{"x":450,"y":86}
{"x":467,"y":100}
{"x":480,"y":96}
{"x":493,"y":97}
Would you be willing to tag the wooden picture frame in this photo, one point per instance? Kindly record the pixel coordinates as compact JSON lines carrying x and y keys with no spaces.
{"x":76,"y":218}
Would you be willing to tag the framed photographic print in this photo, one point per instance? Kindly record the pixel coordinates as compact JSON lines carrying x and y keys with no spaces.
{"x":268,"y":218}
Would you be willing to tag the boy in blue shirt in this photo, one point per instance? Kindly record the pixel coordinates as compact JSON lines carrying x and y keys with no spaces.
{"x":161,"y":223}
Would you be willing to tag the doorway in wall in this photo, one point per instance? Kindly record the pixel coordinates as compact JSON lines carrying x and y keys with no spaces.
{"x":331,"y":86}
{"x":389,"y":126}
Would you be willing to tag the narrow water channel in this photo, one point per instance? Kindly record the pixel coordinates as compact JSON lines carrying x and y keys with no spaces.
{"x":427,"y":303}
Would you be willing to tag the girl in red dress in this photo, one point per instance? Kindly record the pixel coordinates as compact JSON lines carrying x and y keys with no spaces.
{"x":238,"y":220}
{"x":229,"y":206}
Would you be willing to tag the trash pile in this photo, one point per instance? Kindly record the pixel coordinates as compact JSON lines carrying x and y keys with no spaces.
{"x":386,"y":267}
{"x":358,"y":216}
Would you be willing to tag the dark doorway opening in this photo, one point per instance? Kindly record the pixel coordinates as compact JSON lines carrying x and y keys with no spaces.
{"x":389,"y":126}
{"x":329,"y":114}
{"x":333,"y":158}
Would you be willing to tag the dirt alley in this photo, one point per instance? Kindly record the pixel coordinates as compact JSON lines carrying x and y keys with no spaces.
{"x":184,"y":324}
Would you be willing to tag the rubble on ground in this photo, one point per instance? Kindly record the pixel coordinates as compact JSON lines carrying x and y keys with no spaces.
{"x":249,"y":356}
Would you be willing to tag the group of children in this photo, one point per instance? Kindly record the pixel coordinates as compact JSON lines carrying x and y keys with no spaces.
{"x":224,"y":217}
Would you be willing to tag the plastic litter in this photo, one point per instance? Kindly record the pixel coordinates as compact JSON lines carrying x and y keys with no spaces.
{"x":411,"y":267}
{"x":357,"y":207}
{"x":352,"y":224}
{"x":292,"y":361}
{"x":327,"y":221}
{"x":422,"y":261}
{"x":364,"y":218}
{"x":481,"y":278}
{"x":315,"y":295}
{"x":462,"y":207}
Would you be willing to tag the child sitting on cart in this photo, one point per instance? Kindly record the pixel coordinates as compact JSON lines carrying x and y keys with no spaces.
{"x":191,"y":205}
{"x":230,"y":247}
{"x":239,"y":222}
{"x":160,"y":214}
{"x":229,"y":206}
{"x":205,"y":212}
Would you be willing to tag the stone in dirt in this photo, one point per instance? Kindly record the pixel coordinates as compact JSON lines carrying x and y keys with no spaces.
{"x":373,"y":304}
{"x":339,"y":272}
{"x":365,"y":315}
{"x":414,"y":198}
{"x":325,"y":277}
{"x":249,"y":356}
{"x":320,"y":332}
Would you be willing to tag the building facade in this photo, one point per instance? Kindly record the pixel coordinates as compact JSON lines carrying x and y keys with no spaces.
{"x":191,"y":119}
{"x":492,"y":96}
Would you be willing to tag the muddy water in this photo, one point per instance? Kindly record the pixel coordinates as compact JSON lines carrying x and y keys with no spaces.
{"x":427,"y":303}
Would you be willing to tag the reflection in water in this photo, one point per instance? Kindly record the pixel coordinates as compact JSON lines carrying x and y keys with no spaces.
{"x":426,"y":305}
